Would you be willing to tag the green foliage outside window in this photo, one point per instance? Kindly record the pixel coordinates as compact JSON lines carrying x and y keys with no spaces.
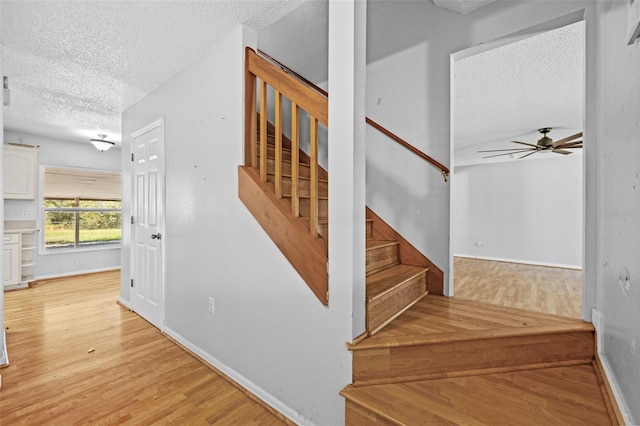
{"x":99,"y":222}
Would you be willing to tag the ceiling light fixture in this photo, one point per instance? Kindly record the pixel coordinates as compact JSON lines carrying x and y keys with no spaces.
{"x":101,"y":144}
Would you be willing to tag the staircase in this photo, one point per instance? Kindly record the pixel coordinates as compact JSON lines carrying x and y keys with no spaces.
{"x":391,"y":285}
{"x":424,"y":358}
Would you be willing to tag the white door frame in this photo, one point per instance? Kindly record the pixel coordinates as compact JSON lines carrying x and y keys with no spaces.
{"x":589,"y":184}
{"x":161,"y":215}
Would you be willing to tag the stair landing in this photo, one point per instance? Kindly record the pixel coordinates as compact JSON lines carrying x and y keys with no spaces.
{"x":454,"y":361}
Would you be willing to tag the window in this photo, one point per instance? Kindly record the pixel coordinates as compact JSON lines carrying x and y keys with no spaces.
{"x":82,"y":209}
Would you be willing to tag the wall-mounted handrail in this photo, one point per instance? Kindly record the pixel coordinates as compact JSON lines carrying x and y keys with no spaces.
{"x":443,"y":169}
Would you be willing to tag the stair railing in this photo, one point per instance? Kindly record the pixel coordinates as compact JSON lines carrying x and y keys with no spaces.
{"x":443,"y":169}
{"x":259,"y":74}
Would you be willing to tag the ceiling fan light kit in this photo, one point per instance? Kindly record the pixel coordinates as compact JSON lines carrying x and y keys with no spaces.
{"x":101,"y":144}
{"x":544,"y":144}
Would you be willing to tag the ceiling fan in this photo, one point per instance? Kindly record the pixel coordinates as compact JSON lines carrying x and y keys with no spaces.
{"x":545,"y":144}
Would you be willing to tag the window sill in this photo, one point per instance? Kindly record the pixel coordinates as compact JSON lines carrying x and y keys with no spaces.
{"x":53,"y":251}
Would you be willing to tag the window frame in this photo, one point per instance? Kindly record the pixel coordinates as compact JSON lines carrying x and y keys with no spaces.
{"x":77,"y":247}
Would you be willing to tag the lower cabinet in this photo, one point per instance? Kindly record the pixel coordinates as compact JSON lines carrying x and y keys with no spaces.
{"x":12,"y":268}
{"x":18,"y":259}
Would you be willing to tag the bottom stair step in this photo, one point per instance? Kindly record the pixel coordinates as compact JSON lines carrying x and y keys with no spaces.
{"x":391,"y":292}
{"x":550,"y":396}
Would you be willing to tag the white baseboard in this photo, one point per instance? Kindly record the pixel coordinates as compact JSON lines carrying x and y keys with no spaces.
{"x":74,"y":273}
{"x":615,"y":388}
{"x":4,"y":355}
{"x":256,"y":390}
{"x":524,"y":262}
{"x":124,"y":303}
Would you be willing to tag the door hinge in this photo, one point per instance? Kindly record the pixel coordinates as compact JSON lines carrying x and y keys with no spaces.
{"x":132,"y":156}
{"x":131,"y":282}
{"x":327,"y":267}
{"x":132,"y":220}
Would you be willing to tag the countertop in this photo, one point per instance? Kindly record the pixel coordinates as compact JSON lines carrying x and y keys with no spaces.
{"x":19,"y":226}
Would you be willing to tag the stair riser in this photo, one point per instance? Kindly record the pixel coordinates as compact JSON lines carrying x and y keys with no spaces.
{"x":381,"y":257}
{"x":323,"y":208}
{"x":384,"y":308}
{"x":357,"y":415}
{"x":271,"y":153}
{"x":303,"y":186}
{"x":303,"y":169}
{"x":435,"y":360}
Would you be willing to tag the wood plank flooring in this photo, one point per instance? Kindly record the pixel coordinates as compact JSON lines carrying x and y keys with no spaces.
{"x":134,"y":375}
{"x":544,"y":289}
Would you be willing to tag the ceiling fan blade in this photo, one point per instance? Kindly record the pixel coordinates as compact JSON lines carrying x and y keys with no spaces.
{"x":510,"y":149}
{"x":567,"y":139}
{"x":525,"y":143}
{"x":569,"y":144}
{"x":506,"y":153}
{"x":528,"y":154}
{"x":560,"y":151}
{"x":571,"y":147}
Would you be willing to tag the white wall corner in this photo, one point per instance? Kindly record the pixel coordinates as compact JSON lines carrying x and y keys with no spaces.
{"x":615,"y":388}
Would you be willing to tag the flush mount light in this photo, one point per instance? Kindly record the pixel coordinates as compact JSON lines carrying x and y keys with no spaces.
{"x":101,"y":144}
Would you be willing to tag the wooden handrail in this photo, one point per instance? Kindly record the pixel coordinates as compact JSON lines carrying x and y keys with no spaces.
{"x":259,"y":75}
{"x":292,"y":88}
{"x":443,"y":169}
{"x":288,"y":70}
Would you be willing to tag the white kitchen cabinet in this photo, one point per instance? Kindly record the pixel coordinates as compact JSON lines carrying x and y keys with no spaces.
{"x":12,"y":269}
{"x":19,"y":172}
{"x":20,"y":244}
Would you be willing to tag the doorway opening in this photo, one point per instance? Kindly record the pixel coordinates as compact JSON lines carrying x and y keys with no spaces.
{"x":517,"y":201}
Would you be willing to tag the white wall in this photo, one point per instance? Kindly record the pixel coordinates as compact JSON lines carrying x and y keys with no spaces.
{"x":527,"y":211}
{"x":269,"y":331}
{"x":618,"y":210}
{"x":55,"y":152}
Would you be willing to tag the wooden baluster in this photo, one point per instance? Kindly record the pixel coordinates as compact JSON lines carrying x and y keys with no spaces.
{"x":313,"y":176}
{"x":295,"y":168}
{"x":278,"y":143}
{"x":263,"y":131}
{"x":250,"y":116}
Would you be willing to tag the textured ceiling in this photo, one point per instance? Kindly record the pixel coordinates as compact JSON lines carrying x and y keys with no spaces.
{"x":74,"y":66}
{"x":509,"y":92}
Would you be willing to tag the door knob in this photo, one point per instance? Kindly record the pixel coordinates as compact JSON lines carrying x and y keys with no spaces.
{"x":156,"y":236}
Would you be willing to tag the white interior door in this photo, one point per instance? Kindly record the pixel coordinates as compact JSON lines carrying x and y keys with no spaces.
{"x":147,"y":265}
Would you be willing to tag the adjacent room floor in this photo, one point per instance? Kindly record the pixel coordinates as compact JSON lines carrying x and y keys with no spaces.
{"x":543,"y":289}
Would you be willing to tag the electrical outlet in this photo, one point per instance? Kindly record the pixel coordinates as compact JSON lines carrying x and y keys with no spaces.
{"x":212,"y":305}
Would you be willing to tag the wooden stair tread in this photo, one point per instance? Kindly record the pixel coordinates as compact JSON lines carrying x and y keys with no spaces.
{"x":437,"y":319}
{"x":549,"y":396}
{"x":374,"y":244}
{"x":386,"y":280}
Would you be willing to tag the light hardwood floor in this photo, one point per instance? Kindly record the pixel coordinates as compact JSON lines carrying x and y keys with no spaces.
{"x":78,"y":358}
{"x":544,"y":289}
